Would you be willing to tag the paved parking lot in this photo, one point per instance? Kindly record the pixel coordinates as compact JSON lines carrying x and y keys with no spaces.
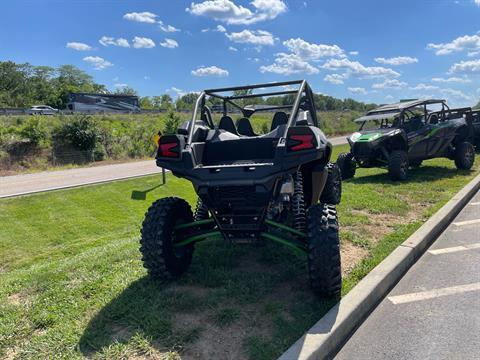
{"x":434,"y":311}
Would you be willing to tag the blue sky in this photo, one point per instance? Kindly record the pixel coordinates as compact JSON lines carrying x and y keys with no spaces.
{"x":378,"y":51}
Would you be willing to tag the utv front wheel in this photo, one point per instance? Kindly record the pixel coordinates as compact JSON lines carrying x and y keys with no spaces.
{"x":160,"y":257}
{"x":332,"y":191}
{"x":464,"y":156}
{"x":398,"y":165}
{"x":347,"y":165}
{"x":324,"y":250}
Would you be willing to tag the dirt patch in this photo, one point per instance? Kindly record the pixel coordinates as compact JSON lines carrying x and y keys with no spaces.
{"x":351,"y":255}
{"x":10,"y":354}
{"x":17,"y":299}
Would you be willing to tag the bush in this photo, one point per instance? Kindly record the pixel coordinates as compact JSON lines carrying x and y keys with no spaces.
{"x":81,"y":132}
{"x":35,"y":131}
{"x":172,"y":122}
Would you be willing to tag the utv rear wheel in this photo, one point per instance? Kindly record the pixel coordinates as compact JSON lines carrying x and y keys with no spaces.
{"x":347,"y":165}
{"x":415,"y":163}
{"x":332,"y":191}
{"x":160,"y":257}
{"x":398,"y":165}
{"x":464,"y":156}
{"x":324,"y":250}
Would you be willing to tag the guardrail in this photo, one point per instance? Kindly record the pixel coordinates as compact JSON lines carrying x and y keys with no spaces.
{"x":17,"y":111}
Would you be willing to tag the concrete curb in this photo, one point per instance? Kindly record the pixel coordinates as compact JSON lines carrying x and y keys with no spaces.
{"x":326,"y":337}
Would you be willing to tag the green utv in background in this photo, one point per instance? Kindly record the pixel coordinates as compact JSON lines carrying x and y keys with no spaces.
{"x":404,"y":134}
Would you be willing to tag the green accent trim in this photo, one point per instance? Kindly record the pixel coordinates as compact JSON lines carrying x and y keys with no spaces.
{"x":195,"y":238}
{"x":283,"y":241}
{"x":195,"y":223}
{"x":285,"y":227}
{"x":369,"y":137}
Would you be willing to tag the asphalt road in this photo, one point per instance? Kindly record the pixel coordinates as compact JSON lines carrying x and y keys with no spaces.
{"x":60,"y":179}
{"x":434,"y":311}
{"x":51,"y":180}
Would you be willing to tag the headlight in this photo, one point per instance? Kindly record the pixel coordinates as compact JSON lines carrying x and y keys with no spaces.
{"x":355,"y":136}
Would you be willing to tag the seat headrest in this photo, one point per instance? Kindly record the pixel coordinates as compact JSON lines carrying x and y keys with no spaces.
{"x":280,"y":118}
{"x":244,"y":127}
{"x":226,"y":123}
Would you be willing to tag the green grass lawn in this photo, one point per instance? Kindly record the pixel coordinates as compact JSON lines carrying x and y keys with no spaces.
{"x":72,"y":284}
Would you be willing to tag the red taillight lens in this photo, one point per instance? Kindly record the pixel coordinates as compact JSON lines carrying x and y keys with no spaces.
{"x":169,"y":146}
{"x":301,"y":142}
{"x":169,"y":150}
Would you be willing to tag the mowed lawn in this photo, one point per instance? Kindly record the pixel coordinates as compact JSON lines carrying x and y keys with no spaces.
{"x":72,"y":284}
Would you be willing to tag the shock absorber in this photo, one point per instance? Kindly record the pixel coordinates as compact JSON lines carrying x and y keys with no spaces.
{"x":201,"y":211}
{"x":298,"y":203}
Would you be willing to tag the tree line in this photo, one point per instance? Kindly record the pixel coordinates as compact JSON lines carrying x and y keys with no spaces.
{"x":24,"y":85}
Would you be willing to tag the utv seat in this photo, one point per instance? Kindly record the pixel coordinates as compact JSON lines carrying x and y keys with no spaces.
{"x":280,"y":118}
{"x":244,"y":127}
{"x":226,"y":123}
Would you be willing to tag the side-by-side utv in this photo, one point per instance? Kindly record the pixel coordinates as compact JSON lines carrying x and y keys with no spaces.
{"x":278,"y":186}
{"x":400,"y":135}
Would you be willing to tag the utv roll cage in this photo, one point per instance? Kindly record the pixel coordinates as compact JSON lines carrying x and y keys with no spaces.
{"x":303,"y":101}
{"x":408,"y":108}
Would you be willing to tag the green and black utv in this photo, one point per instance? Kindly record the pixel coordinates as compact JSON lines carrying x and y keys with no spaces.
{"x":402,"y":135}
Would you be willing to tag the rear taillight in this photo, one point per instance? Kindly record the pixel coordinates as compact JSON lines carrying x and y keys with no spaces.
{"x":301,"y":142}
{"x":169,"y":146}
{"x":300,"y":138}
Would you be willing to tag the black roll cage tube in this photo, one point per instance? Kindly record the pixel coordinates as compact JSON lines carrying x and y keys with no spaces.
{"x":247,"y":112}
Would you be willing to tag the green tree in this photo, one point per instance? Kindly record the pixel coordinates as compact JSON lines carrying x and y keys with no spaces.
{"x":186,"y":102}
{"x":146,"y":102}
{"x":126,"y":90}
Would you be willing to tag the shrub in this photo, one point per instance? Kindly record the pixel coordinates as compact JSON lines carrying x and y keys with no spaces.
{"x":172,"y":122}
{"x":80,"y":132}
{"x":35,"y":130}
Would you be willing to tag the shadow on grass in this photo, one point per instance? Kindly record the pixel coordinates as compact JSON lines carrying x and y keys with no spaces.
{"x":415,"y":175}
{"x":145,"y":307}
{"x":269,"y":281}
{"x":142,"y":195}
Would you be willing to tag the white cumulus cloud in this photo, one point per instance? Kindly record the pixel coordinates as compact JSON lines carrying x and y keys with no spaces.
{"x":118,"y":85}
{"x":167,"y":28}
{"x":456,"y":94}
{"x":142,"y":43}
{"x":399,"y":60}
{"x":311,"y":51}
{"x":356,"y":68}
{"x":78,"y":46}
{"x":390,"y":84}
{"x":465,"y":67}
{"x":287,"y":64}
{"x":423,"y":86}
{"x":255,"y":37}
{"x":231,"y":48}
{"x":453,"y":79}
{"x":466,"y":42}
{"x":97,"y":62}
{"x":210,"y":71}
{"x":169,"y":43}
{"x":336,"y":79}
{"x":108,"y":40}
{"x":145,"y":17}
{"x":357,"y":90}
{"x":229,"y":12}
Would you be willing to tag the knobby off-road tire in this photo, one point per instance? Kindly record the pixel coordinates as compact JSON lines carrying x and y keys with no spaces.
{"x":324,"y":265}
{"x":347,"y":165}
{"x":298,"y":203}
{"x":201,"y":211}
{"x":398,"y":165}
{"x":464,"y":156}
{"x":415,"y":163}
{"x":160,"y":258}
{"x":332,"y":192}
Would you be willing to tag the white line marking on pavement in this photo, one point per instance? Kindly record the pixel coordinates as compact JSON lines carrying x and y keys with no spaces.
{"x":475,"y":203}
{"x":454,"y":249}
{"x":430,"y":294}
{"x":467,"y":222}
